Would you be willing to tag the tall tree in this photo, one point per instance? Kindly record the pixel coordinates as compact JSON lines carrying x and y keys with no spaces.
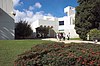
{"x":23,"y":30}
{"x":87,"y":17}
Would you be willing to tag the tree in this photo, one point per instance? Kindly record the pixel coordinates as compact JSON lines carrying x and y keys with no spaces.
{"x":23,"y":30}
{"x":87,"y":17}
{"x":43,"y":31}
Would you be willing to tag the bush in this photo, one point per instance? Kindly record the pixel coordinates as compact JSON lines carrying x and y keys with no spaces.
{"x":94,"y":33}
{"x":60,"y":54}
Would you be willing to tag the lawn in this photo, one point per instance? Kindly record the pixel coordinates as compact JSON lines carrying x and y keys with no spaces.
{"x":9,"y":49}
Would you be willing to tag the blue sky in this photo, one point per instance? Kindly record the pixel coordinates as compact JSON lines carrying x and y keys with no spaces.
{"x":53,"y":8}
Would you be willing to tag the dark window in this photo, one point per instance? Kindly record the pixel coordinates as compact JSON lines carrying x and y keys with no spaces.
{"x":61,"y":22}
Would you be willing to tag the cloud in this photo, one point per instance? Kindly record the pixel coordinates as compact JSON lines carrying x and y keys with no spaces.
{"x":17,"y":2}
{"x":38,"y":5}
{"x":31,"y":7}
{"x":19,"y":15}
{"x":49,"y":14}
{"x":21,"y":3}
{"x":27,"y":15}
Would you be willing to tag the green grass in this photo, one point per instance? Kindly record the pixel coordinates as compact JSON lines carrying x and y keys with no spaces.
{"x":75,"y":39}
{"x":9,"y":49}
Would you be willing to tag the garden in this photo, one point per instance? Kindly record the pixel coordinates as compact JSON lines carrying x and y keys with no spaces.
{"x":47,"y":53}
{"x":60,"y":54}
{"x":9,"y":49}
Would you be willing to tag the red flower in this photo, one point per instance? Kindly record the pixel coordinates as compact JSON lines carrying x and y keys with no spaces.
{"x":91,"y":49}
{"x":91,"y":62}
{"x":80,"y":57}
{"x":83,"y":51}
{"x":83,"y":62}
{"x":93,"y":53}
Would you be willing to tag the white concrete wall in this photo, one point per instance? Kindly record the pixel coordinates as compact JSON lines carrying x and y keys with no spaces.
{"x":68,"y":27}
{"x":7,"y":6}
{"x":69,"y":22}
{"x":45,"y":22}
{"x":7,"y":24}
{"x":49,"y":23}
{"x":69,"y":10}
{"x":50,"y":18}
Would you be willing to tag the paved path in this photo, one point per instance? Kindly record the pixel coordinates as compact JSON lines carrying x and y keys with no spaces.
{"x":70,"y":41}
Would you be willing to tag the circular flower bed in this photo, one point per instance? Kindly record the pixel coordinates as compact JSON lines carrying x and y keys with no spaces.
{"x":60,"y":54}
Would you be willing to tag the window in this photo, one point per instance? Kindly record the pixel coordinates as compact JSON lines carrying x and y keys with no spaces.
{"x":61,"y":22}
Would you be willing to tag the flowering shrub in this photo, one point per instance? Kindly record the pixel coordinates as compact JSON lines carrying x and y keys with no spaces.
{"x":60,"y":54}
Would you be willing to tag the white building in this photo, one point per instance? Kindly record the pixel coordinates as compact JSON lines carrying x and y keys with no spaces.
{"x":7,"y":24}
{"x":46,"y":21}
{"x":64,"y":24}
{"x":67,"y":23}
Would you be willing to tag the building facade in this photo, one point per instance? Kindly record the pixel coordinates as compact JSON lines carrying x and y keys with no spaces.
{"x":7,"y":24}
{"x":63,"y":25}
{"x":46,"y":21}
{"x":67,"y":23}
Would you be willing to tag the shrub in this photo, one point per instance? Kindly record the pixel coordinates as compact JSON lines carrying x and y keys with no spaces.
{"x":60,"y":54}
{"x":94,"y":33}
